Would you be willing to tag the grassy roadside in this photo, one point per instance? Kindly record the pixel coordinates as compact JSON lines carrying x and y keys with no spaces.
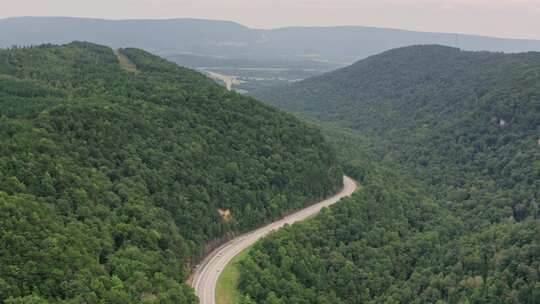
{"x":226,"y":289}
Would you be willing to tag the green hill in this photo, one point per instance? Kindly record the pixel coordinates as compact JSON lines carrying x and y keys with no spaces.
{"x":446,"y":145}
{"x":451,"y":117}
{"x":111,"y":181}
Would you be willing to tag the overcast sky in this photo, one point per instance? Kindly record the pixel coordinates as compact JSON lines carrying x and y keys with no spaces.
{"x":503,"y":18}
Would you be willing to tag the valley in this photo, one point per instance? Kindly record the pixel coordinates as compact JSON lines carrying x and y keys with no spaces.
{"x":448,"y":206}
{"x":183,"y":160}
{"x":207,"y":273}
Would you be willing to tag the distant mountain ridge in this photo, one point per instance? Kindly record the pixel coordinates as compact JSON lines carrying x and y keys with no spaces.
{"x":228,"y":39}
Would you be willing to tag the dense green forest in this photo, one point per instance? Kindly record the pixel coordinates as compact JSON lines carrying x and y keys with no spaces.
{"x":445,"y":144}
{"x":111,"y":181}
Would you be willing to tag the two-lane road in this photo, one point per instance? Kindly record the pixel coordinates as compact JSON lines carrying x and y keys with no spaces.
{"x":207,"y":274}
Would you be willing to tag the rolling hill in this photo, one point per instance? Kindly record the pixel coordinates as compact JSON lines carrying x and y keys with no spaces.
{"x":446,"y":144}
{"x":116,"y":178}
{"x":418,"y":100}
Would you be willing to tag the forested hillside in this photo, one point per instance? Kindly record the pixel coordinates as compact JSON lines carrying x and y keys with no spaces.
{"x":112,"y":181}
{"x":391,"y":243}
{"x":463,"y":121}
{"x":446,"y":146}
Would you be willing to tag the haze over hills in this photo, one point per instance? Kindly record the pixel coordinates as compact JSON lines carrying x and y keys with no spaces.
{"x":224,"y":39}
{"x":117,"y":171}
{"x":249,"y":58}
{"x":446,"y":144}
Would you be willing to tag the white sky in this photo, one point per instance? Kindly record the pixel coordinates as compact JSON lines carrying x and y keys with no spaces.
{"x":502,"y":18}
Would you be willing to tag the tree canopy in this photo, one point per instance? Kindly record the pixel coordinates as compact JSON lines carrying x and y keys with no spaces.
{"x":111,"y":181}
{"x":445,"y":144}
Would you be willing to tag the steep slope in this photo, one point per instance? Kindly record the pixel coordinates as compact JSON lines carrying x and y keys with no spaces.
{"x":112,"y":182}
{"x":390,"y":243}
{"x":444,"y":113}
{"x":446,"y":145}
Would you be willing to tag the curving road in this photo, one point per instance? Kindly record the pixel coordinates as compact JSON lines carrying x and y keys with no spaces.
{"x":206,"y":276}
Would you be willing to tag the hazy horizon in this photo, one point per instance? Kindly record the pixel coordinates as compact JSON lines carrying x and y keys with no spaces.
{"x":496,"y":18}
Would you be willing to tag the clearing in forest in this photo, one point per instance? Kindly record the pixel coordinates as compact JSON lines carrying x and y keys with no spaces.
{"x":125,"y":63}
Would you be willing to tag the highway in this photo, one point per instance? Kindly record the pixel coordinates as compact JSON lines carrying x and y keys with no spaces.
{"x":207,"y":273}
